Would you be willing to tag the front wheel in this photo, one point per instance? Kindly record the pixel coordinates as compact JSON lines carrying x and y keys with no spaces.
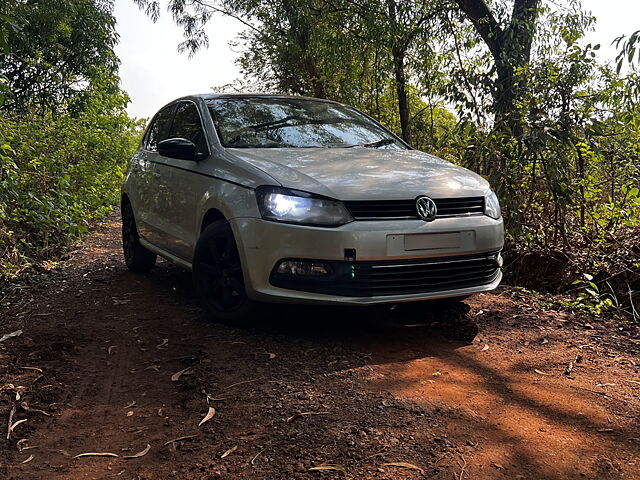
{"x":217,"y":276}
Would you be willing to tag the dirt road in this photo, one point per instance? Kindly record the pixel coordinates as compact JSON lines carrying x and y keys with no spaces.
{"x":363,"y":394}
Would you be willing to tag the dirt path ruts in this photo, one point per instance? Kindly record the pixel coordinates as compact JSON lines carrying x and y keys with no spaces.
{"x":359,"y":389}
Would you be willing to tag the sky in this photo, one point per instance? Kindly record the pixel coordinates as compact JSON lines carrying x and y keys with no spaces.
{"x":154,"y":73}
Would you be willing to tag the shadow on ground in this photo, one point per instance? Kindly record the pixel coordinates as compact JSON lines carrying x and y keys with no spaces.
{"x":443,"y":392}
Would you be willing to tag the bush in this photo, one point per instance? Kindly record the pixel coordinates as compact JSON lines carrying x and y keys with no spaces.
{"x":58,"y":175}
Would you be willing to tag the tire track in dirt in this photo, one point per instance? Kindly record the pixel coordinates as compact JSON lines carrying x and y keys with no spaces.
{"x":310,"y":386}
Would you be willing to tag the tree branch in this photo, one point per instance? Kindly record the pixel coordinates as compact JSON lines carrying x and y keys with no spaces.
{"x":485,"y":24}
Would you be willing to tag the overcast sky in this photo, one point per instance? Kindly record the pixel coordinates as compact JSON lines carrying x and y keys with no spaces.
{"x":154,"y":73}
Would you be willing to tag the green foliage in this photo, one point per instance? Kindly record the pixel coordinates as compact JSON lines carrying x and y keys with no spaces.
{"x":53,"y":50}
{"x":591,"y":299}
{"x":58,"y":175}
{"x":64,"y":133}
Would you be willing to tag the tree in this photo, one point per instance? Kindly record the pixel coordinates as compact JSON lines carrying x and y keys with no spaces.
{"x":317,"y":47}
{"x":510,"y":47}
{"x":56,"y":49}
{"x":398,"y":25}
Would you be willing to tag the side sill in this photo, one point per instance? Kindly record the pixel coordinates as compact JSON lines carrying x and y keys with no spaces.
{"x":164,"y":254}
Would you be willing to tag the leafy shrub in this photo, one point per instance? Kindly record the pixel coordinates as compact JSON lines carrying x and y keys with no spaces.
{"x":58,"y":174}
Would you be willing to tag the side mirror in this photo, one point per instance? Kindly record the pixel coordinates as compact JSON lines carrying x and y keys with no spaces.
{"x":177,"y":148}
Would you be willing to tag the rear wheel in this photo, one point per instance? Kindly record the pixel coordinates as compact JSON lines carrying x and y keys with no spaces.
{"x":137,"y":258}
{"x":218,"y":279}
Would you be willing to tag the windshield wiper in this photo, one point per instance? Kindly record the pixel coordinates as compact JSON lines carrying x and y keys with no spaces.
{"x":378,"y":143}
{"x":284,"y":122}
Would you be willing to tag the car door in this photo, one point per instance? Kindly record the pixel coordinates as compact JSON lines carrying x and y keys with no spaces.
{"x":185,"y":181}
{"x":152,"y":195}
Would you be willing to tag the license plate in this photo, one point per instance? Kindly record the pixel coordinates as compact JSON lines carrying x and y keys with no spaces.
{"x":432,"y":241}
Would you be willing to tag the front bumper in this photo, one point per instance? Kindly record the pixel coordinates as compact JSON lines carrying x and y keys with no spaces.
{"x":262,"y":244}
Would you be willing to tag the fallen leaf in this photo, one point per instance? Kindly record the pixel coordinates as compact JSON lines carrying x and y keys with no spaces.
{"x":208,"y":416}
{"x":272,"y":355}
{"x":28,"y":459}
{"x":27,"y":408}
{"x":177,"y":375}
{"x":337,"y":468}
{"x":32,"y":368}
{"x":7,"y":336}
{"x":96,"y":454}
{"x":179,"y":439}
{"x":256,"y":456}
{"x":242,"y":383}
{"x":304,"y":414}
{"x":130,"y":413}
{"x":540,"y":372}
{"x":436,"y":374}
{"x":485,"y":348}
{"x":544,"y":341}
{"x":229,"y":452}
{"x":404,"y":465}
{"x":139,"y":454}
{"x":16,"y":424}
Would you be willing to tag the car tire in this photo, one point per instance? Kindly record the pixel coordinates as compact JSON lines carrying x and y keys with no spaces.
{"x":218,"y":277}
{"x":137,"y":258}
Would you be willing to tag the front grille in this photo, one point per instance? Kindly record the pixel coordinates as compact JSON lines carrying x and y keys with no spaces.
{"x":401,"y":277}
{"x":406,"y":209}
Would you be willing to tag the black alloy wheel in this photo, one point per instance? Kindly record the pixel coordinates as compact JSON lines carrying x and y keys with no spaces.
{"x":217,"y":275}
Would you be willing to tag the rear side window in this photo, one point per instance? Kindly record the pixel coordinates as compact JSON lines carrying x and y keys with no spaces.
{"x":159,"y":129}
{"x":187,"y":124}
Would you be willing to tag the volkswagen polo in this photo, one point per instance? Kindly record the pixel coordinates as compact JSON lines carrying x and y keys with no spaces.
{"x":288,"y":199}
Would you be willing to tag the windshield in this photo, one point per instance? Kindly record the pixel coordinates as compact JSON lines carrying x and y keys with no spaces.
{"x":255,"y":122}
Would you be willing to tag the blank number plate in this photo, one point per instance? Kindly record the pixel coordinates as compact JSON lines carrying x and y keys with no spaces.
{"x":432,"y":241}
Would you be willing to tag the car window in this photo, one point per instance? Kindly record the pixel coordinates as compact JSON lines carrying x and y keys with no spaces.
{"x":187,"y":124}
{"x":159,"y":129}
{"x":255,"y":122}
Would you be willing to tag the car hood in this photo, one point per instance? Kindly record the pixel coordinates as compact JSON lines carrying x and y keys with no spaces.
{"x":363,"y":173}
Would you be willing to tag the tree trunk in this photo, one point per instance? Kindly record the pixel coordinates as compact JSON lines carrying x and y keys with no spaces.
{"x":300,"y":32}
{"x":511,"y":51}
{"x":401,"y":93}
{"x":398,"y":52}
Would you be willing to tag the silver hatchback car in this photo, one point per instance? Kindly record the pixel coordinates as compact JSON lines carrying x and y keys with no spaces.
{"x":289,"y":199}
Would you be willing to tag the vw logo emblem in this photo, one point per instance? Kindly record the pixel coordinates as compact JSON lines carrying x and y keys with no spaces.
{"x":426,"y":208}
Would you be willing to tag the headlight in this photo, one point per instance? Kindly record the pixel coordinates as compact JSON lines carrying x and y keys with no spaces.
{"x":293,"y":206}
{"x":492,"y":205}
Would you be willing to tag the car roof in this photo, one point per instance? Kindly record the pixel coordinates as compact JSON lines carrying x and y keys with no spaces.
{"x":211,"y":96}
